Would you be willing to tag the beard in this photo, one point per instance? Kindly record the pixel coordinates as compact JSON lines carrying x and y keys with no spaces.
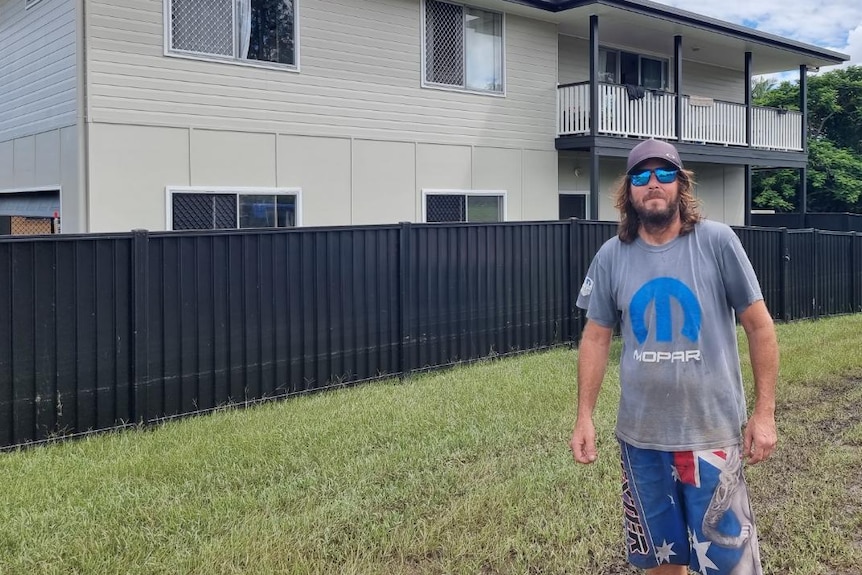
{"x":657,"y":219}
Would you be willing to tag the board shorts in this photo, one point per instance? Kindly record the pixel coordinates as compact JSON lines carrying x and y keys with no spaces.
{"x":688,"y":508}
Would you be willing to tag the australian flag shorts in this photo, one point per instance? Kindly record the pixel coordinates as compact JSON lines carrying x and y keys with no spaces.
{"x":689,"y":508}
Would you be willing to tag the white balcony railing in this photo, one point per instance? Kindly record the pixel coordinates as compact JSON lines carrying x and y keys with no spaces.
{"x":652,"y":113}
{"x":776,"y":129}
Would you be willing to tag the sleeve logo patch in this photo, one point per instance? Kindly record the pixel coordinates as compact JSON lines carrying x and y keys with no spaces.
{"x":587,"y":288}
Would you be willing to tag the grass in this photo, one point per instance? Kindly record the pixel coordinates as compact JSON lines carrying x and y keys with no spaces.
{"x":464,"y":471}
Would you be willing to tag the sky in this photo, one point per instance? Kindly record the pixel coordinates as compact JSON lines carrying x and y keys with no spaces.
{"x":836,"y":25}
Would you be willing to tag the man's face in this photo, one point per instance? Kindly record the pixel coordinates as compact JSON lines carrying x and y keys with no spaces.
{"x":656,"y":203}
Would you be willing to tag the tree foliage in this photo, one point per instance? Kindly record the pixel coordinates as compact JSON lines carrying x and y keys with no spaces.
{"x":834,"y":143}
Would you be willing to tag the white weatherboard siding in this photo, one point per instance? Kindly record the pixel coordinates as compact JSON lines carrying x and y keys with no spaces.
{"x":37,"y":67}
{"x":353,"y":130}
{"x":360,"y":77}
{"x":697,"y":79}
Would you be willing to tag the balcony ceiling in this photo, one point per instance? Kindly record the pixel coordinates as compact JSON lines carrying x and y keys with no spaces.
{"x":649,"y":27}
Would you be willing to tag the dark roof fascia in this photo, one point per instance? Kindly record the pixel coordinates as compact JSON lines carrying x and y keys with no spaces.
{"x":613,"y":146}
{"x":692,"y":19}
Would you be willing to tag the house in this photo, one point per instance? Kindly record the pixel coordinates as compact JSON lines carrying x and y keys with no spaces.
{"x":182,"y":114}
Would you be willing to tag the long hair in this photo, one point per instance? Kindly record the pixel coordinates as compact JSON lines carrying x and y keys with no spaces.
{"x":689,"y":208}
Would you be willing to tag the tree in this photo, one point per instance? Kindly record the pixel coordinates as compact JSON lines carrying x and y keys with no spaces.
{"x":834,"y":143}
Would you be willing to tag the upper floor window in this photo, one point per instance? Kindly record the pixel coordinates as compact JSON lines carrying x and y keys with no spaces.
{"x":620,"y":67}
{"x":244,"y":30}
{"x":463,"y":47}
{"x":463,"y":206}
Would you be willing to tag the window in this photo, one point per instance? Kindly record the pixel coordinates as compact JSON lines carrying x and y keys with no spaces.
{"x":241,"y":30}
{"x":215,"y":210}
{"x":463,"y":47}
{"x":619,"y":67}
{"x":451,"y":206}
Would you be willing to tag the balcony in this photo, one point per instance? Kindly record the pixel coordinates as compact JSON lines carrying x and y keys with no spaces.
{"x":704,"y":120}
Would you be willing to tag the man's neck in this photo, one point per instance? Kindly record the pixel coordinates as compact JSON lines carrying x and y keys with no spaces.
{"x":657,"y":236}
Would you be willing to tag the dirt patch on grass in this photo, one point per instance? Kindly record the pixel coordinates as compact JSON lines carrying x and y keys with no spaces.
{"x":816,"y":472}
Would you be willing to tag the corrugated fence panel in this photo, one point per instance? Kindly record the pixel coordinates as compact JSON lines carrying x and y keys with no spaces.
{"x":99,"y":331}
{"x":856,"y":258}
{"x":477,"y":290}
{"x":242,"y":316}
{"x":800,"y":289}
{"x":764,"y":249}
{"x":834,"y":272}
{"x":65,"y":356}
{"x":588,"y":237}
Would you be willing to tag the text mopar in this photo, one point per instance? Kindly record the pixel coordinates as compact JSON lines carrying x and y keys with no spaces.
{"x":671,"y":356}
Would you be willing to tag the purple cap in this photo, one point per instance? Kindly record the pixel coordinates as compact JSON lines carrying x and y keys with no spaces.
{"x":653,"y":150}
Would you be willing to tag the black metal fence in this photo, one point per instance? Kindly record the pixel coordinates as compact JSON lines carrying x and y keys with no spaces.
{"x":836,"y":221}
{"x":102,"y":331}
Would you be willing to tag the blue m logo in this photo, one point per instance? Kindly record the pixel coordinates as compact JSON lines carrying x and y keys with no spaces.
{"x":660,"y":291}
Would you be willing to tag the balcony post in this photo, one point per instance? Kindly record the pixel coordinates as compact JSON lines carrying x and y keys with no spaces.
{"x":803,"y":104}
{"x":594,"y":116}
{"x":594,"y":74}
{"x":803,"y":193}
{"x":677,"y":85}
{"x":747,"y":215}
{"x":748,"y":126}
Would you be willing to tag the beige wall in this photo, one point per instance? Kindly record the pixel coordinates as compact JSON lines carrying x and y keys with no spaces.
{"x":342,"y":181}
{"x":48,"y":160}
{"x":720,"y":189}
{"x":130,"y":168}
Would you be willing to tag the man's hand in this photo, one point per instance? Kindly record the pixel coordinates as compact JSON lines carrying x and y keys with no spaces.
{"x":760,"y":438}
{"x":583,"y":442}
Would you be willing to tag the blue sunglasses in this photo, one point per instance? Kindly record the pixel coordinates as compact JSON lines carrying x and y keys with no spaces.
{"x":663,"y":175}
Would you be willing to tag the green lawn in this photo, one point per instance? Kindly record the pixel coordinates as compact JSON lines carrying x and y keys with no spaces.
{"x":461,"y":471}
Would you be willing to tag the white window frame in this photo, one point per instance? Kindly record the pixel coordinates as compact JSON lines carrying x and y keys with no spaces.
{"x":238,"y":191}
{"x":585,"y":193}
{"x":665,"y":65}
{"x":170,"y":52}
{"x":454,"y":192}
{"x":448,"y":87}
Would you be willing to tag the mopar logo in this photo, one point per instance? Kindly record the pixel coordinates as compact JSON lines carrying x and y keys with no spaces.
{"x":659,"y":292}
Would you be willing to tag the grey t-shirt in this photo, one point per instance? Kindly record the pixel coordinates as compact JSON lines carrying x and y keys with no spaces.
{"x":679,"y":370}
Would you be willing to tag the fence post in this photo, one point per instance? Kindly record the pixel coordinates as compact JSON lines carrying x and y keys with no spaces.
{"x":140,"y":323}
{"x":854,"y":285}
{"x":574,"y":280}
{"x":403,"y":298}
{"x":815,"y":271}
{"x":785,"y":272}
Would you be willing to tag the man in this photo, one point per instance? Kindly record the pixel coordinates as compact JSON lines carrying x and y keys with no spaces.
{"x":674,"y":281}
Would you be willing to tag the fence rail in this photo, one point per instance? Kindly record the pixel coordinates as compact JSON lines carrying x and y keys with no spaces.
{"x":102,"y":331}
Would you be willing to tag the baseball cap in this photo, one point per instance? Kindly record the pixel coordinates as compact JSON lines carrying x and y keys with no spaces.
{"x":653,"y":149}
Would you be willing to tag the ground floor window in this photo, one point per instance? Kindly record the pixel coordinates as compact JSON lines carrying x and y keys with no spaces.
{"x":30,"y":212}
{"x":228,"y":209}
{"x":574,"y":205}
{"x":464,"y":206}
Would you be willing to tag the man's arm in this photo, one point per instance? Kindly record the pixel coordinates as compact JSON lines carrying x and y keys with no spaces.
{"x":592,"y":363}
{"x":760,"y":433}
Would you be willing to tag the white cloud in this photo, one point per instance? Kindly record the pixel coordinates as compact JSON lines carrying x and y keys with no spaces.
{"x":836,"y":25}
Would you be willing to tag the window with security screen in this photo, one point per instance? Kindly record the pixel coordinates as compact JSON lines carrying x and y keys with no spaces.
{"x":200,"y":210}
{"x":464,"y":207}
{"x":463,"y":47}
{"x":241,"y":30}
